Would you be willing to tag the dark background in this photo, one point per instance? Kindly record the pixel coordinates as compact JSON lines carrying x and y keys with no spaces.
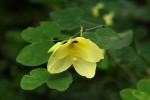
{"x":17,"y":15}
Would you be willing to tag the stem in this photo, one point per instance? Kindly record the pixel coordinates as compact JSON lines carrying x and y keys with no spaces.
{"x":74,"y":35}
{"x":81,"y":31}
{"x":124,"y":68}
{"x":99,"y":26}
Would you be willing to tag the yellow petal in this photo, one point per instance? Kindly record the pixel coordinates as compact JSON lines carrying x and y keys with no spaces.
{"x":84,"y":68}
{"x":58,"y":65}
{"x":62,"y":51}
{"x":88,"y":50}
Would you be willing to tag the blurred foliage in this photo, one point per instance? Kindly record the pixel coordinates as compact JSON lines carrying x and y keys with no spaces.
{"x":120,"y":69}
{"x":143,"y":92}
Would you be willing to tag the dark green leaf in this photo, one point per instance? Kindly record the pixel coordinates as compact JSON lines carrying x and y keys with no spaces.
{"x":130,"y":57}
{"x":143,"y":49}
{"x":36,"y":78}
{"x":103,"y":64}
{"x":106,"y":33}
{"x":94,"y":22}
{"x":125,"y":38}
{"x":101,"y":37}
{"x":101,"y":42}
{"x":68,"y":18}
{"x":45,"y":32}
{"x":34,"y":54}
{"x":59,"y":81}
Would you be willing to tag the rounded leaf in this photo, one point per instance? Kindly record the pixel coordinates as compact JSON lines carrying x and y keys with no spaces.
{"x":45,"y":32}
{"x":36,"y":78}
{"x":34,"y":54}
{"x":60,"y":81}
{"x":124,"y":40}
{"x":144,"y":85}
{"x":126,"y":94}
{"x":68,"y":18}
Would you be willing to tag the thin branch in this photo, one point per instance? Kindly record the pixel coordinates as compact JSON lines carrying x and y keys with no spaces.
{"x":99,"y":26}
{"x":124,"y":68}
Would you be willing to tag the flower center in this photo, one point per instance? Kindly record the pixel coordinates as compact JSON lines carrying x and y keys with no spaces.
{"x":74,"y":56}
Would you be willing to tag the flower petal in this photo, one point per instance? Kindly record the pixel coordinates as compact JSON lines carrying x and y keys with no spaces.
{"x":84,"y":68}
{"x":58,"y":65}
{"x":62,"y":51}
{"x":88,"y":50}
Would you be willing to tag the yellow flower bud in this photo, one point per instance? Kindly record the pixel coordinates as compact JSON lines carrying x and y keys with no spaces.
{"x":54,"y":47}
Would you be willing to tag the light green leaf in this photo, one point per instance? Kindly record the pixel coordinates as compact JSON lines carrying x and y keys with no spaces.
{"x":144,"y":85}
{"x":68,"y":18}
{"x":45,"y":32}
{"x":140,"y":95}
{"x":126,"y":94}
{"x":36,"y":78}
{"x":125,"y":39}
{"x":34,"y":54}
{"x":60,"y":81}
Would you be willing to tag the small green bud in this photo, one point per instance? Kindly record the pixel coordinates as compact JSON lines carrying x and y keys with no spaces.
{"x":54,"y":46}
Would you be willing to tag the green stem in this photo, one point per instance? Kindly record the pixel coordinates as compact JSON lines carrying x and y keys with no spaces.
{"x":99,"y":26}
{"x":123,"y":67}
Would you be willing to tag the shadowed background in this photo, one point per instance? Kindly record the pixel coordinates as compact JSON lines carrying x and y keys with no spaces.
{"x":17,"y":15}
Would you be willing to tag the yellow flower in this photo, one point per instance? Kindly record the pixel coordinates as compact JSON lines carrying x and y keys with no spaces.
{"x":108,"y":18}
{"x":96,"y":9}
{"x":79,"y":52}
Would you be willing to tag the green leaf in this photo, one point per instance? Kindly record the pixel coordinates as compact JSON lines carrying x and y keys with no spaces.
{"x":60,"y":81}
{"x":92,"y":22}
{"x":125,"y":39}
{"x":45,"y":32}
{"x":101,"y":42}
{"x":107,"y":33}
{"x":144,"y":85}
{"x":103,"y":64}
{"x":129,"y":56}
{"x":34,"y":54}
{"x":143,"y":49}
{"x":126,"y":94}
{"x":140,"y":95}
{"x":101,"y":37}
{"x":36,"y":78}
{"x":68,"y":18}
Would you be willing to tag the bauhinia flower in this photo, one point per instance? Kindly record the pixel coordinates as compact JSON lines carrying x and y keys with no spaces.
{"x":79,"y":52}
